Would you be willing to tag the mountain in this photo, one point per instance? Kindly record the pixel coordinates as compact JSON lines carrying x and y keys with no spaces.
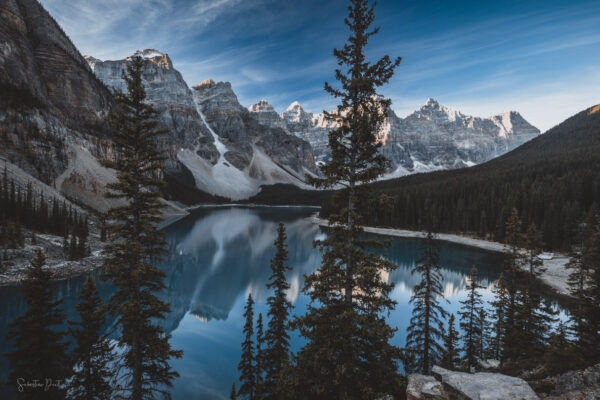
{"x":432,"y":138}
{"x":52,"y":106}
{"x":49,"y":94}
{"x":211,"y":136}
{"x":552,"y":180}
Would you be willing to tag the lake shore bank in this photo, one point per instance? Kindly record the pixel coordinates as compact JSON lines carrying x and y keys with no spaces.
{"x":555,"y":276}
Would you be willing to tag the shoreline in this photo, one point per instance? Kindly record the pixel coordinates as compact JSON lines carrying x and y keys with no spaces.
{"x":249,"y":205}
{"x":555,"y":276}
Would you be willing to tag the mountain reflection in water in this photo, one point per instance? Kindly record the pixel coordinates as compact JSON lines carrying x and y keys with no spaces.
{"x":220,"y":254}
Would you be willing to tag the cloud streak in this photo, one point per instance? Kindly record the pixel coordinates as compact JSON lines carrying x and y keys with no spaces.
{"x":481,"y":58}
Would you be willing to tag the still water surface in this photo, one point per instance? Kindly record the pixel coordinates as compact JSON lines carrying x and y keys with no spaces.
{"x":220,"y":254}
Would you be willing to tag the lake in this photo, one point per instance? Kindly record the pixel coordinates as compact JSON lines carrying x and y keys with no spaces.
{"x":220,"y":254}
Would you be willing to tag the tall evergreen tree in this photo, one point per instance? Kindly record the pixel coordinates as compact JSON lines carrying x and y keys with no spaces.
{"x":497,"y":320}
{"x":470,"y":314}
{"x":506,"y":301}
{"x":136,"y":243}
{"x":485,"y":338}
{"x":426,"y":327}
{"x":578,"y":281}
{"x":562,"y":354}
{"x":93,"y":351}
{"x":260,"y":357}
{"x":40,"y":351}
{"x":451,"y":355}
{"x":347,"y":353}
{"x":233,"y":394}
{"x":535,"y":314}
{"x":277,"y":337}
{"x":246,"y":366}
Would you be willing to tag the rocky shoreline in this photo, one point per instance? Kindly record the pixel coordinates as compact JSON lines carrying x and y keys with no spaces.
{"x":16,"y":261}
{"x":555,"y":276}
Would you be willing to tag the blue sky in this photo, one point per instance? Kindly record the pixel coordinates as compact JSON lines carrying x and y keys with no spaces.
{"x":541,"y":58}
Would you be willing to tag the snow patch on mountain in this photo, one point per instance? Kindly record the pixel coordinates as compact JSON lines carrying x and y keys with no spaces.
{"x":433,"y":137}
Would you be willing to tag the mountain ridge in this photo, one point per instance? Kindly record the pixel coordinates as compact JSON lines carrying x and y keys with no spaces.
{"x":459,"y":140}
{"x":227,"y":151}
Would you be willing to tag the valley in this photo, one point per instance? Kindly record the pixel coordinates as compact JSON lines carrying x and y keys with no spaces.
{"x":376,"y":227}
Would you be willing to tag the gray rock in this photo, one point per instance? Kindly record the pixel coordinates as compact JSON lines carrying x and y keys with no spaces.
{"x":266,"y":115}
{"x":579,"y":385}
{"x":422,"y":387}
{"x":169,"y":94}
{"x":482,"y":386}
{"x":489,"y":364}
{"x":48,"y":93}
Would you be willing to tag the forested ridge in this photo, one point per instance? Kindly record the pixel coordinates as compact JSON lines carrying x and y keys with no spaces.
{"x":552,"y":180}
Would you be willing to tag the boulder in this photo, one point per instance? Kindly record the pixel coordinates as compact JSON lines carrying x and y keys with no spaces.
{"x":489,"y":365}
{"x":452,"y":385}
{"x":483,"y":385}
{"x":422,"y":387}
{"x":577,"y":385}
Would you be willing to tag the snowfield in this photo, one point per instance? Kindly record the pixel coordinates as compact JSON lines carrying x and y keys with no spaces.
{"x":225,"y":180}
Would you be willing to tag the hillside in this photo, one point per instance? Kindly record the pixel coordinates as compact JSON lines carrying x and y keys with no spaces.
{"x":552,"y":180}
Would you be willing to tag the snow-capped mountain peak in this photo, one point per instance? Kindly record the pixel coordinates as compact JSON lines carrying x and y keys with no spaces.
{"x":295,"y":107}
{"x":148,"y":53}
{"x":433,"y":110}
{"x":432,"y":137}
{"x":261,"y":106}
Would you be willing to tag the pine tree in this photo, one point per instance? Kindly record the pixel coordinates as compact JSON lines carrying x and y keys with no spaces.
{"x":103,"y":229}
{"x":93,"y":352}
{"x":233,"y":394}
{"x":578,"y":281}
{"x":347,"y":353}
{"x":246,"y":366}
{"x":73,"y":248}
{"x":470,"y":313}
{"x":426,"y":327}
{"x":535,"y":314}
{"x":485,"y":338}
{"x":451,"y":355}
{"x":260,"y":357}
{"x":562,"y":354}
{"x":40,"y":351}
{"x":506,"y":301}
{"x":136,"y":243}
{"x":497,"y":331}
{"x":277,"y":337}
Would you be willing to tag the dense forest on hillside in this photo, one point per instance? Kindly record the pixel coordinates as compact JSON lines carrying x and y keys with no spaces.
{"x":552,"y":180}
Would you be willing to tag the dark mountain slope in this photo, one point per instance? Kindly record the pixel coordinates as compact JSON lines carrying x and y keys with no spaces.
{"x":553,"y":180}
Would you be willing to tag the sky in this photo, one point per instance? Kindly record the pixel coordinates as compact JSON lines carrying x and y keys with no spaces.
{"x":541,"y":58}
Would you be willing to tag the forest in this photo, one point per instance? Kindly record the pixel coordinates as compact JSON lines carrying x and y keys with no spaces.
{"x":552,"y":180}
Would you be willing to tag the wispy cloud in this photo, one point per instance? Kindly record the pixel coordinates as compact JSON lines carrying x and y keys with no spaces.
{"x":481,"y":58}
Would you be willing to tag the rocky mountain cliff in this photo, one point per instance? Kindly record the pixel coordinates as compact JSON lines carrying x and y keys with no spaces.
{"x":227,"y":150}
{"x":50,"y":98}
{"x":431,"y":138}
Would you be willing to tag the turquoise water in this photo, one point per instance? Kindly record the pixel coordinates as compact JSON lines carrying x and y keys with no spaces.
{"x":220,"y":254}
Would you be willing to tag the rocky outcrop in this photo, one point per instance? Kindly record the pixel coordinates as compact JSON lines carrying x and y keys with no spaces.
{"x":572,"y":385}
{"x":49,"y":97}
{"x":452,"y":385}
{"x":171,"y":97}
{"x":226,"y":149}
{"x":431,"y":138}
{"x":423,"y":387}
{"x":265,"y":115}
